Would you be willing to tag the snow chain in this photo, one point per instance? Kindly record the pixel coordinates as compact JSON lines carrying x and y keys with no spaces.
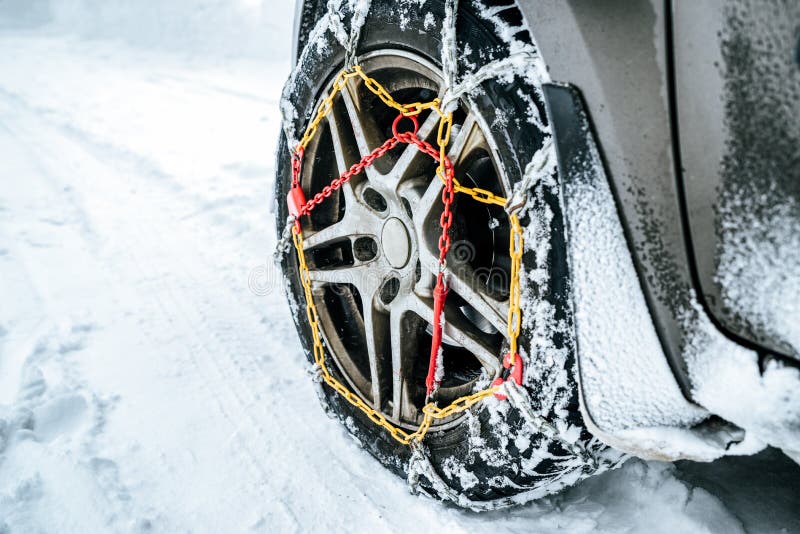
{"x":511,"y":383}
{"x":299,"y":206}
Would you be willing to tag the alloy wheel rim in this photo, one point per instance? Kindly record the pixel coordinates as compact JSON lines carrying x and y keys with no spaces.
{"x":372,"y":246}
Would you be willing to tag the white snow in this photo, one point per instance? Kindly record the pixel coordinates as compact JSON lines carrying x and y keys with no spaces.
{"x":616,"y":337}
{"x":764,"y":402}
{"x":430,"y":21}
{"x":759,"y":260}
{"x":220,"y":28}
{"x":150,"y":375}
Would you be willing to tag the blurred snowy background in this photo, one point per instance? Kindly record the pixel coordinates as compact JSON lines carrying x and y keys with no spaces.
{"x":218,"y":28}
{"x":149,"y":372}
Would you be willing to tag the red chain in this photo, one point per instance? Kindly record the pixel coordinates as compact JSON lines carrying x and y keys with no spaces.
{"x":297,"y":164}
{"x":298,"y":206}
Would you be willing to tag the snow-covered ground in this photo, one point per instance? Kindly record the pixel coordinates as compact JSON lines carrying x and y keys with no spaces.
{"x":150,"y":376}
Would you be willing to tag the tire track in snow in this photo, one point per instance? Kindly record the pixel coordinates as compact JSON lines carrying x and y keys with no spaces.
{"x":155,"y":175}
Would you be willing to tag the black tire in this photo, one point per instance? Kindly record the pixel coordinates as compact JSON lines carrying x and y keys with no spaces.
{"x":492,"y":458}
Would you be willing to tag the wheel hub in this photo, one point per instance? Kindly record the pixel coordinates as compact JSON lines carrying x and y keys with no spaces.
{"x":396,"y":242}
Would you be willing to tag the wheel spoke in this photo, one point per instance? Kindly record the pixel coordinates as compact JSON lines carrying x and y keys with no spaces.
{"x":375,"y":329}
{"x":463,"y":284}
{"x":364,"y":129}
{"x":345,"y":155}
{"x":365,"y":277}
{"x":493,"y":311}
{"x":425,"y":200}
{"x":401,"y":345}
{"x":460,"y":332}
{"x":357,"y":378}
{"x":340,"y":275}
{"x":357,"y":221}
{"x":341,"y":148}
{"x":326,"y":236}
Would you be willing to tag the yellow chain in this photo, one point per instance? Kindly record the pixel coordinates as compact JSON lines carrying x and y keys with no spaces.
{"x":406,"y":109}
{"x":430,"y":411}
{"x":514,"y":313}
{"x":482,"y":195}
{"x":326,"y":106}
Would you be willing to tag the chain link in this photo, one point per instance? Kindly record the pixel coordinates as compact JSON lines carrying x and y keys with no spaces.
{"x":356,"y":23}
{"x":449,"y":57}
{"x":335,"y":23}
{"x":482,"y":195}
{"x":354,"y":169}
{"x":514,"y":321}
{"x":282,"y":246}
{"x":325,"y":107}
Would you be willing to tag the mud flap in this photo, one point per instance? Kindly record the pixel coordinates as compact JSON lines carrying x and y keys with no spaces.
{"x":629,"y":397}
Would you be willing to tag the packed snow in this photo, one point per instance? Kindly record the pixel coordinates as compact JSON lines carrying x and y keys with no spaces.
{"x":612,"y":301}
{"x":150,"y":375}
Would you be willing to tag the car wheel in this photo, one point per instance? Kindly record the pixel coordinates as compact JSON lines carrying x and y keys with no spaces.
{"x":372,"y":253}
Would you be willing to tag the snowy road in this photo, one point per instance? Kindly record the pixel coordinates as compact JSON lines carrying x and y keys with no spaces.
{"x":147,"y":384}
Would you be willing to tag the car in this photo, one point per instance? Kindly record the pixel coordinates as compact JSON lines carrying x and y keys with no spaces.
{"x":533,"y":239}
